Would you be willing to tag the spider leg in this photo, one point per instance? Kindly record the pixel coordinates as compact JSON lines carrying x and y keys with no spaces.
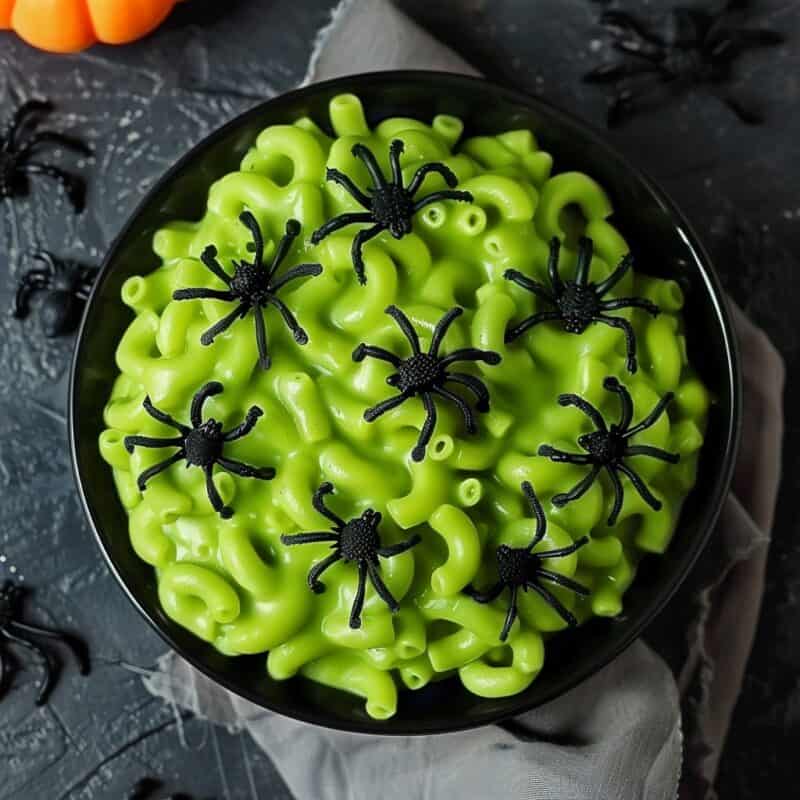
{"x":150,"y":441}
{"x":359,"y":240}
{"x":554,"y":603}
{"x":226,"y":512}
{"x":466,"y":411}
{"x":653,"y":452}
{"x":612,"y":384}
{"x":371,"y":414}
{"x":396,"y":148}
{"x":264,"y":360}
{"x":252,"y":416}
{"x":562,"y":456}
{"x":630,"y":338}
{"x":442,"y":326}
{"x":358,"y":600}
{"x":33,"y":281}
{"x":426,"y":169}
{"x":46,"y":257}
{"x":374,"y":572}
{"x":445,"y":194}
{"x":162,"y":416}
{"x":579,"y":489}
{"x":746,"y":115}
{"x":618,"y":71}
{"x":492,"y":593}
{"x":209,"y":259}
{"x":530,"y":285}
{"x":404,"y":323}
{"x":529,"y":322}
{"x":318,"y":501}
{"x":564,"y":551}
{"x":364,"y":350}
{"x":203,"y":294}
{"x":50,"y":667}
{"x":68,"y":142}
{"x":292,"y":231}
{"x":511,"y":614}
{"x":342,"y":221}
{"x":630,"y":302}
{"x":314,"y":583}
{"x":562,"y":580}
{"x":584,"y":405}
{"x":400,"y":547}
{"x":337,"y":176}
{"x":299,"y":334}
{"x":615,"y":277}
{"x":652,"y":417}
{"x":209,"y":389}
{"x":619,"y":495}
{"x":251,"y":223}
{"x":246,"y":470}
{"x":585,"y":248}
{"x":418,"y":453}
{"x":221,"y":325}
{"x":552,"y":266}
{"x":75,"y":645}
{"x":365,"y":154}
{"x":18,"y":121}
{"x":537,"y":511}
{"x":300,"y":271}
{"x":73,"y":186}
{"x":151,"y":472}
{"x":471,"y":354}
{"x":640,"y":486}
{"x":474,"y":385}
{"x":312,"y":537}
{"x":4,"y":673}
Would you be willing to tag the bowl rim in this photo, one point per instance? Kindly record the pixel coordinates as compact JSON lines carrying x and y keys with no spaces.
{"x":733,"y":378}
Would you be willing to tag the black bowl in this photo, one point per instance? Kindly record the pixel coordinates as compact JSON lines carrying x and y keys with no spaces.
{"x":650,"y":222}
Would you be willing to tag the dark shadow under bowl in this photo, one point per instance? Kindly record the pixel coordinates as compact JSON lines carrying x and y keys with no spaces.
{"x":650,"y":223}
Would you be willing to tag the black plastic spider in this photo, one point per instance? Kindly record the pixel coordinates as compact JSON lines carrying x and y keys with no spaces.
{"x":253,"y":286}
{"x":66,"y":285}
{"x":521,"y":568}
{"x":149,"y":788}
{"x":578,"y":303}
{"x":15,"y":631}
{"x":695,"y":47}
{"x":200,"y":445}
{"x":389,"y":205}
{"x":607,"y":446}
{"x":17,"y":146}
{"x":424,"y":375}
{"x":357,"y":540}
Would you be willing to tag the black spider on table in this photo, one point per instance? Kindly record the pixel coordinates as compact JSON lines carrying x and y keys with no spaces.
{"x":14,"y":631}
{"x":695,"y":47}
{"x":357,"y":541}
{"x":425,"y":375}
{"x":66,"y":285}
{"x":253,"y":286}
{"x":608,"y":446}
{"x":579,"y":302}
{"x":201,"y":445}
{"x":18,"y":144}
{"x":389,"y":205}
{"x":521,"y":568}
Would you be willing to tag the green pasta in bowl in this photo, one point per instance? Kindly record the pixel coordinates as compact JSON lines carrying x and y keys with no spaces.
{"x":401,"y":406}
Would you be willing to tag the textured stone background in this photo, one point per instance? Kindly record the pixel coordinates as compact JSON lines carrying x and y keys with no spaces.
{"x":144,"y":105}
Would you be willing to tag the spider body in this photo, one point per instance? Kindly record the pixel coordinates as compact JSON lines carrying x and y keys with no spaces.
{"x":14,"y":631}
{"x":424,"y":375}
{"x":577,"y":303}
{"x":253,"y":286}
{"x":519,"y":568}
{"x":694,"y":47}
{"x":608,"y":447}
{"x":388,"y":204}
{"x":355,"y":541}
{"x":18,"y":145}
{"x":200,"y":445}
{"x":66,"y":286}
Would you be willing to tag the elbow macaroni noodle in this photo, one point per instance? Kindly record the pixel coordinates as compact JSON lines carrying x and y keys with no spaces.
{"x":232,"y":582}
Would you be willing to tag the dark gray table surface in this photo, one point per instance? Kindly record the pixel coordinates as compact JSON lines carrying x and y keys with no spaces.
{"x":144,"y":105}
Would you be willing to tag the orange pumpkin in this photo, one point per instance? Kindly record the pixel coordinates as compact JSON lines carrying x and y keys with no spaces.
{"x":65,"y":26}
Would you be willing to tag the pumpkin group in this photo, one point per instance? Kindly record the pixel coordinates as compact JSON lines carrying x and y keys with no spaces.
{"x":65,"y":26}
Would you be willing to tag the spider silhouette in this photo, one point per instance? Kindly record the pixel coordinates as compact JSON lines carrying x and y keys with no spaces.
{"x":253,"y":286}
{"x":13,"y":630}
{"x":521,"y":568}
{"x":19,"y":143}
{"x":695,"y":47}
{"x":66,"y":285}
{"x":425,"y":375}
{"x":201,"y":445}
{"x":358,"y":541}
{"x":578,"y":303}
{"x":389,"y":205}
{"x":607,"y":447}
